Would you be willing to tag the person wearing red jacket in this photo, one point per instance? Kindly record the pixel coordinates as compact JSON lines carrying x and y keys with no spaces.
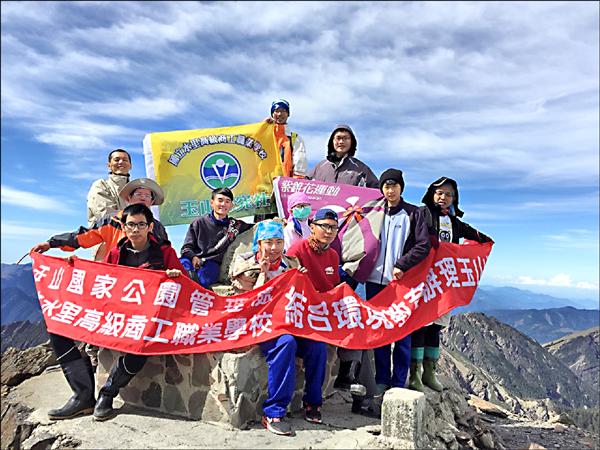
{"x":140,"y":249}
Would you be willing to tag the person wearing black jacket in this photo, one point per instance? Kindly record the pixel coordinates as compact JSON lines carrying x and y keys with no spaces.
{"x":208,"y":237}
{"x":444,"y":225}
{"x":404,"y":243}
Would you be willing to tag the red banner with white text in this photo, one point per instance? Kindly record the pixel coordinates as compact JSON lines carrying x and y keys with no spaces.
{"x":145,"y":312}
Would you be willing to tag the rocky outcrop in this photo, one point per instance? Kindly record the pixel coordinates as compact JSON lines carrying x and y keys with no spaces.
{"x":545,"y":325}
{"x":498,"y":363}
{"x":581,"y":353}
{"x":18,"y":365}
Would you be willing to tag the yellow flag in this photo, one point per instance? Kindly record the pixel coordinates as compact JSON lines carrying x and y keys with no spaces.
{"x":189,"y":164}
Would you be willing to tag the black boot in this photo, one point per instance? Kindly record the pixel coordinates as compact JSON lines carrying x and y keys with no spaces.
{"x":118,"y":378}
{"x":80,"y":376}
{"x":342,"y":380}
{"x":359,"y":408}
{"x":347,"y":378}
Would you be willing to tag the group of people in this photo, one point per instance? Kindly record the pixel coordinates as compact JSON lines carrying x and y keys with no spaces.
{"x":120,"y":220}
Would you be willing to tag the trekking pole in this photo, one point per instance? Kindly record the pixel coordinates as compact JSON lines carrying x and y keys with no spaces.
{"x":23,"y":257}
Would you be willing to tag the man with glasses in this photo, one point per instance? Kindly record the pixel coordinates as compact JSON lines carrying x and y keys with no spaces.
{"x":315,"y":253}
{"x":341,"y":166}
{"x":109,"y":229}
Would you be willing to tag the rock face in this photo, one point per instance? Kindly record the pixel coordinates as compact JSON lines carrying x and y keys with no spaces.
{"x":498,"y":363}
{"x":22,"y":335}
{"x":220,"y":387}
{"x":19,"y":297}
{"x":19,"y":365}
{"x":581,"y":352}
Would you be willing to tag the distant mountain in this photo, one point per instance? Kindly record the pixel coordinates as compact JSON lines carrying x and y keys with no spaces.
{"x":581,"y":352}
{"x":499,"y":363}
{"x":22,"y":335}
{"x":488,"y":298}
{"x":545,"y":325}
{"x":19,"y":296}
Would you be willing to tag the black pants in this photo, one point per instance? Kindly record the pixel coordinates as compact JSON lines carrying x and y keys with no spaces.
{"x":66,"y":351}
{"x":428,"y":336}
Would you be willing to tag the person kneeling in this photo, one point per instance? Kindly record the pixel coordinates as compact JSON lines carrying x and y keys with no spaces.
{"x":138,"y":249}
{"x":249,"y":271}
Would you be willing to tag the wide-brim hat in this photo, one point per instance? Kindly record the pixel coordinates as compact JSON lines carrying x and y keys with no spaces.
{"x":145,"y":183}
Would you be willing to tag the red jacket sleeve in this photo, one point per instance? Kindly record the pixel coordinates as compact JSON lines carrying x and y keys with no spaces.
{"x":172,"y":261}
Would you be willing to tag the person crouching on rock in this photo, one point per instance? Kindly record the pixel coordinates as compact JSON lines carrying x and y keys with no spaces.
{"x":251,"y":270}
{"x":139,"y":248}
{"x":443,"y":223}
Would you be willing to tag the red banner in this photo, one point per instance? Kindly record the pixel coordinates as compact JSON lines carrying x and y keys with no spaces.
{"x":145,"y":312}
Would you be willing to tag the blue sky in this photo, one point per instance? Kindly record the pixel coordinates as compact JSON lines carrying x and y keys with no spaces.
{"x":503,"y":97}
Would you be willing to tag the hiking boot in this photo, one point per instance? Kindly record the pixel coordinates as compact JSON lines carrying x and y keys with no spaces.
{"x":312,"y":414}
{"x":277,"y":425}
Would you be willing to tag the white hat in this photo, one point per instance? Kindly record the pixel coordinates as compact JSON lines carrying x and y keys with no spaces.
{"x":145,"y":183}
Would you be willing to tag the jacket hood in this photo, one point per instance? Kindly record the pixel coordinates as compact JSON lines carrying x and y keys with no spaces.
{"x":428,"y":197}
{"x":331,"y":155}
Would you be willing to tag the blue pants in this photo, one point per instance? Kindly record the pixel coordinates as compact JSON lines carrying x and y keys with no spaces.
{"x":384,"y":374}
{"x":208,"y":273}
{"x":281,"y":355}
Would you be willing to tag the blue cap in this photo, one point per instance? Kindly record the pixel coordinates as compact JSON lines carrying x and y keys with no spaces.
{"x":325,"y":213}
{"x":280,"y":104}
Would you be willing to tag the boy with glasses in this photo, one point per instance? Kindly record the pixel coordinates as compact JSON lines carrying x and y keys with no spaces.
{"x":137,"y":249}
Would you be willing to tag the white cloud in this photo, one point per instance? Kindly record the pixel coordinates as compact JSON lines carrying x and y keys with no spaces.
{"x":558,"y":280}
{"x":31,"y":200}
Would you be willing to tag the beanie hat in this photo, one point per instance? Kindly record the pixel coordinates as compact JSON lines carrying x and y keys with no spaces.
{"x":297,"y":198}
{"x":391,"y":176}
{"x":267,"y":229}
{"x":284,"y":104}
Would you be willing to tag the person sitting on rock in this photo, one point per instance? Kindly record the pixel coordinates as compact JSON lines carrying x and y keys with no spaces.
{"x":251,"y":270}
{"x":443,"y":223}
{"x":209,"y":236}
{"x":138,"y":248}
{"x":297,"y":228}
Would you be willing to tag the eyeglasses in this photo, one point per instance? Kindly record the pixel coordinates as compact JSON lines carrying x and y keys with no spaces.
{"x":444,"y":194}
{"x":138,"y":225}
{"x":327,"y":227}
{"x":342,"y":138}
{"x":141,"y":195}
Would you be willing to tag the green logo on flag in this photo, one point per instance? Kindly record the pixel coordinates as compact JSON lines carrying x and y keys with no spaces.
{"x":220,"y":169}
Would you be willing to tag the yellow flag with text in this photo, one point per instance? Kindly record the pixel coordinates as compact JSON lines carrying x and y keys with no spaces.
{"x":189,"y":164}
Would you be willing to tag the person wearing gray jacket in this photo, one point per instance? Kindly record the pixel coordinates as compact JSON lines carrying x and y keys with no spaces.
{"x":340,"y":165}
